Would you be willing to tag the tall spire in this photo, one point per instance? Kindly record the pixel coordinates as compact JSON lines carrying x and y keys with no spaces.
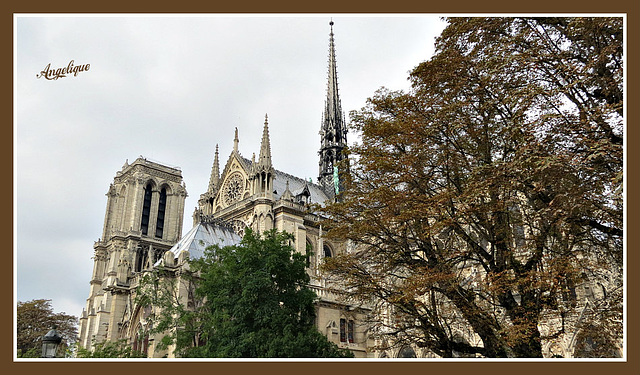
{"x":215,"y":173}
{"x":334,"y":131}
{"x":333,"y":107}
{"x":265,"y":147}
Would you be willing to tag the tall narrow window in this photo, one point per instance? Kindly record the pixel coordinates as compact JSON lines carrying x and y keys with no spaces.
{"x":146,"y":209}
{"x":343,"y":330}
{"x":350,"y":331}
{"x":327,"y":251}
{"x":141,"y":259}
{"x":162,"y":205}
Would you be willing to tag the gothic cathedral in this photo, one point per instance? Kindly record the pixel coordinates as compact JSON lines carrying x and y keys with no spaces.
{"x":144,"y":219}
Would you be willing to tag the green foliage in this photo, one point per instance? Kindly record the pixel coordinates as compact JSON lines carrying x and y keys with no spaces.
{"x":485,"y":193}
{"x":109,"y":349}
{"x":251,"y":300}
{"x":34,"y":319}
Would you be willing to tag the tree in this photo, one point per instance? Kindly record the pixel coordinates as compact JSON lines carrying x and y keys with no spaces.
{"x":34,"y":319}
{"x":251,"y":300}
{"x":482,"y":198}
{"x":109,"y":349}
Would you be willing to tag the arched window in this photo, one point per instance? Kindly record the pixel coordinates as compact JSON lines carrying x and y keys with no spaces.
{"x":141,"y":259}
{"x":327,"y":251}
{"x":146,"y":210}
{"x":162,"y":205}
{"x":308,"y":251}
{"x":406,"y":352}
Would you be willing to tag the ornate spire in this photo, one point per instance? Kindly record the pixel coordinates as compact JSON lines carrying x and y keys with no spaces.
{"x":215,"y":173}
{"x":333,"y":108}
{"x":334,"y":131}
{"x":264,"y":160}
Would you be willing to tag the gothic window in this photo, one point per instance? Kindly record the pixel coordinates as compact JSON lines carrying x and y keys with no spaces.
{"x":141,"y":259}
{"x":233,"y":188}
{"x":327,"y":251}
{"x":347,"y":330}
{"x":146,"y":210}
{"x":406,"y":352}
{"x":308,"y":251}
{"x":350,"y":331}
{"x":162,"y":205}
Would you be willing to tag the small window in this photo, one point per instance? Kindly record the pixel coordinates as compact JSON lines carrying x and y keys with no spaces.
{"x":343,"y":330}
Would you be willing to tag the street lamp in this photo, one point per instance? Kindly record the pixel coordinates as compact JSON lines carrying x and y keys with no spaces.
{"x":50,"y":343}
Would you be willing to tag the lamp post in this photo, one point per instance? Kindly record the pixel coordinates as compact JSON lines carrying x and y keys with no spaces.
{"x":50,"y":343}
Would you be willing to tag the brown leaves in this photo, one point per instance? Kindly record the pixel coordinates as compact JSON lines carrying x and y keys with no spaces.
{"x":494,"y":182}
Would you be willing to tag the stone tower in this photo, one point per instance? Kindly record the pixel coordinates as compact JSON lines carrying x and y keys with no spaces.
{"x":145,"y":205}
{"x":333,"y":133}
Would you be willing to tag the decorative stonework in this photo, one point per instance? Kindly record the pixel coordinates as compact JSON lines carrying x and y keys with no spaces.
{"x":233,"y":188}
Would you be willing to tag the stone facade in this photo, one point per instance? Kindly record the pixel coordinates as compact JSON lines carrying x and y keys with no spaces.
{"x":143,"y":220}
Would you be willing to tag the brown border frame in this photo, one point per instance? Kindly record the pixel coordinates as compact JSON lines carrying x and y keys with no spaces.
{"x":628,"y":7}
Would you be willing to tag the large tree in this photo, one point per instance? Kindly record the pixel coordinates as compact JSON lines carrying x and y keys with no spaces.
{"x":34,"y":319}
{"x":482,"y":197}
{"x":251,"y":300}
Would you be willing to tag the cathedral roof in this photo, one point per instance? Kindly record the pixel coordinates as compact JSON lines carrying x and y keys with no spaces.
{"x":203,"y":235}
{"x":296,"y":186}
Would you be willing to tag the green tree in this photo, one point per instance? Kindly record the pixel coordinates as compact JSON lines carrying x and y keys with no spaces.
{"x":109,"y":349}
{"x":34,"y":319}
{"x":482,"y":197}
{"x":251,"y":300}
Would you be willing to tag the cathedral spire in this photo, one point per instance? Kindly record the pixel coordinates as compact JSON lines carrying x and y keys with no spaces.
{"x":215,"y":173}
{"x":333,"y":107}
{"x":264,"y":159}
{"x":334,"y":131}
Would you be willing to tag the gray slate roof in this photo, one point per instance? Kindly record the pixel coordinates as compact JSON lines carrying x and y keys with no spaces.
{"x":202,"y":236}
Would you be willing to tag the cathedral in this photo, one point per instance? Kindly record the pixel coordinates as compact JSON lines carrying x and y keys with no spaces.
{"x":144,"y":220}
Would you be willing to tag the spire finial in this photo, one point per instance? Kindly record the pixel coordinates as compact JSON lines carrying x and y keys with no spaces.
{"x":235,"y":141}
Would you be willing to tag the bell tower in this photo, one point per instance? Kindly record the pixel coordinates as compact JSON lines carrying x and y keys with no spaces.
{"x":333,"y":133}
{"x":143,"y":219}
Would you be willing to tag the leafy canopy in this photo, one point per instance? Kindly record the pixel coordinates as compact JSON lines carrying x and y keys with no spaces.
{"x":482,"y":198}
{"x":34,"y":319}
{"x":251,"y":300}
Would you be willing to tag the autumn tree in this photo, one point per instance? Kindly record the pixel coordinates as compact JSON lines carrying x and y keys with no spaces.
{"x":34,"y":319}
{"x":480,"y":199}
{"x":251,"y":300}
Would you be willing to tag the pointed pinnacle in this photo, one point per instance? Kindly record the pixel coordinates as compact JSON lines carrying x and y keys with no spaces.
{"x":235,"y":141}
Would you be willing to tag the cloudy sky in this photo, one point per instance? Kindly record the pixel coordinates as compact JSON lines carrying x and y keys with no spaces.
{"x":170,"y":89}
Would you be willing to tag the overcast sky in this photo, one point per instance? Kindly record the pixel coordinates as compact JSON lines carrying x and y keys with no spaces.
{"x":170,"y":89}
